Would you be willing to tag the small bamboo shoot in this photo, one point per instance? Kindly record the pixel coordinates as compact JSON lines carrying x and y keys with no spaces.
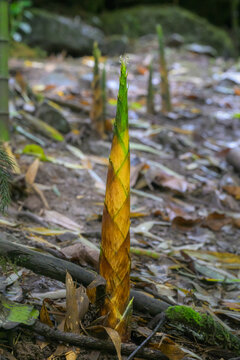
{"x":104,"y":94}
{"x":165,"y":92}
{"x":97,"y":105}
{"x":150,"y":93}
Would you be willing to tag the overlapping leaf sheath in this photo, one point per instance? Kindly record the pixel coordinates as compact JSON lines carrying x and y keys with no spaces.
{"x":97,"y":105}
{"x":165,"y":93}
{"x":4,"y":132}
{"x":115,"y":247}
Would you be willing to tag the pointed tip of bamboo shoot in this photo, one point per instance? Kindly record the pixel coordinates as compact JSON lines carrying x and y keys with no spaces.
{"x":121,"y":122}
{"x":159,"y":30}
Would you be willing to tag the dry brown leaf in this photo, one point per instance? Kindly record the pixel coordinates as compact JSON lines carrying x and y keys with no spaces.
{"x":82,"y":254}
{"x":171,"y":182}
{"x":235,"y":306}
{"x":185,"y":224}
{"x":113,"y":334}
{"x":62,"y":220}
{"x":44,"y":315}
{"x":41,"y":195}
{"x":169,"y":348}
{"x":236,"y":222}
{"x":142,"y":69}
{"x":71,"y":355}
{"x":216,"y":221}
{"x":82,"y":301}
{"x":32,"y":172}
{"x":135,"y":171}
{"x":115,"y":337}
{"x":173,"y":211}
{"x":71,"y":319}
{"x":233,"y":190}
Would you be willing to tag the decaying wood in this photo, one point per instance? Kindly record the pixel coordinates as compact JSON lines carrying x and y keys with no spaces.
{"x":56,"y":268}
{"x":87,"y":342}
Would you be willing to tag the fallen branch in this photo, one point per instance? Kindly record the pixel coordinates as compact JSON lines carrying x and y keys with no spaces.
{"x":56,"y":268}
{"x":87,"y":342}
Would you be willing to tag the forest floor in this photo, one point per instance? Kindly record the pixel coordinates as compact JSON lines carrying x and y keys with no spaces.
{"x":184,"y":201}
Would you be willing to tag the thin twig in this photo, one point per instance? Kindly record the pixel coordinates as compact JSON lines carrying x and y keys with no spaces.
{"x":159,"y":324}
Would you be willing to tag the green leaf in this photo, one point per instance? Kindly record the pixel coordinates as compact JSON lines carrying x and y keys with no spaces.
{"x":35,"y":150}
{"x":13,"y":314}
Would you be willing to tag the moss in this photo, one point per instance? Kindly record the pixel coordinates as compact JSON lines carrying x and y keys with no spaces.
{"x":202,"y":327}
{"x":132,"y":22}
{"x":177,"y":313}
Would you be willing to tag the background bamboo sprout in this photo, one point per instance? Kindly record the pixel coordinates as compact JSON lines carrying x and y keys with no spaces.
{"x":104,"y":92}
{"x":165,"y":92}
{"x":150,"y":93}
{"x":97,"y":105}
{"x":115,"y":247}
{"x":4,"y":38}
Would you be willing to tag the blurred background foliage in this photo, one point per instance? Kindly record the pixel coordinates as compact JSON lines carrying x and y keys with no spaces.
{"x":217,"y":12}
{"x":18,"y":11}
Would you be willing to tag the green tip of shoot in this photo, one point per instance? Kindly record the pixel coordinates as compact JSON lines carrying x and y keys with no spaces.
{"x":121,"y":122}
{"x":96,"y":55}
{"x":159,"y":30}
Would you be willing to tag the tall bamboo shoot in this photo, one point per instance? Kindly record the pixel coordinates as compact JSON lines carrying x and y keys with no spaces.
{"x":115,"y":247}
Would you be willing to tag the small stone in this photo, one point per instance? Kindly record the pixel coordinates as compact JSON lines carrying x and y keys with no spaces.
{"x":201,"y":49}
{"x":175,"y":40}
{"x":233,"y":158}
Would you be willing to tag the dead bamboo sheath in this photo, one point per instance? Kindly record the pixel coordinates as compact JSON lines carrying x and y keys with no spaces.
{"x":55,"y":268}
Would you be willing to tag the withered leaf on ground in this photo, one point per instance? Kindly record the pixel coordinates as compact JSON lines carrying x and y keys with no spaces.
{"x":160,"y":178}
{"x":233,"y":190}
{"x":185,"y":224}
{"x":215,"y":221}
{"x":82,"y":254}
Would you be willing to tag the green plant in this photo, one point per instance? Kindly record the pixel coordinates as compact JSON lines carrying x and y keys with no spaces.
{"x":18,"y":11}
